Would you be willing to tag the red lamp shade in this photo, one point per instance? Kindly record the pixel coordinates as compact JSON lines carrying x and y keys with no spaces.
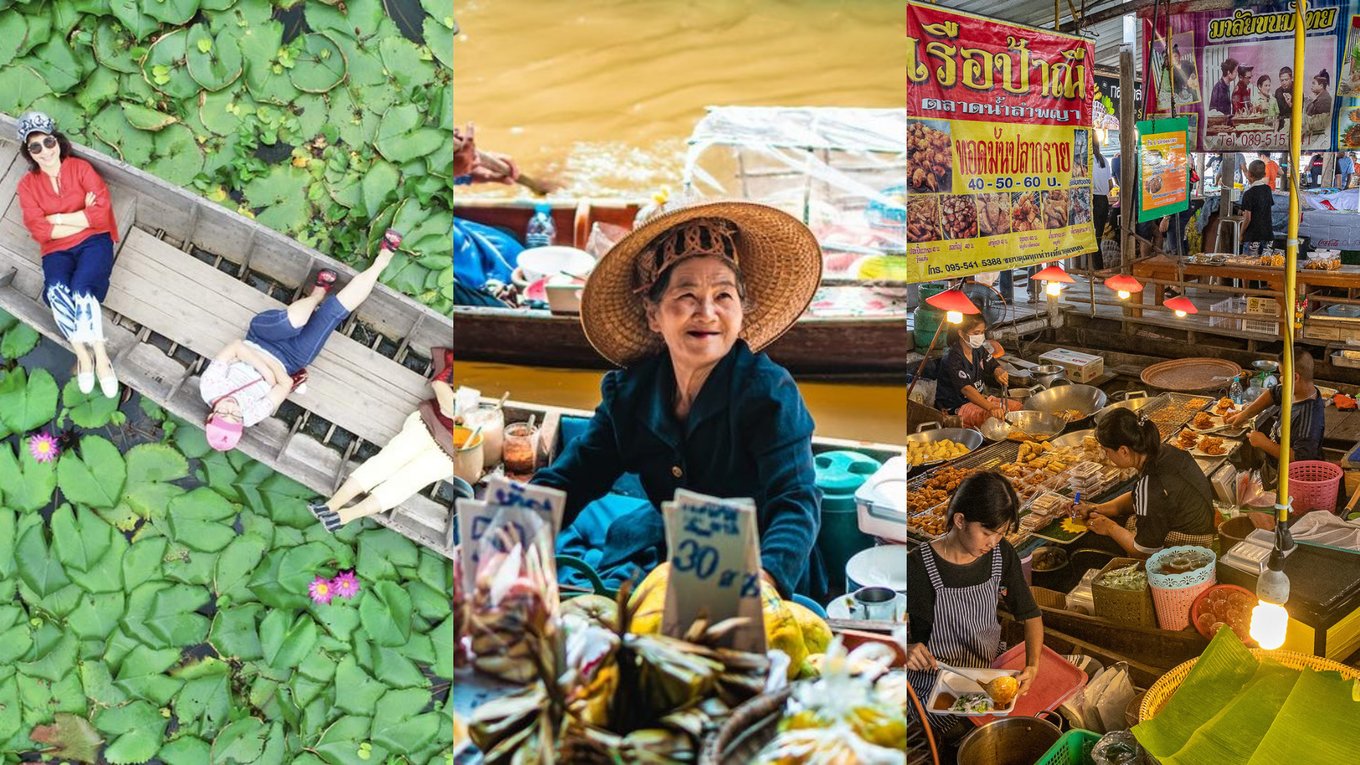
{"x":1181,"y":304}
{"x":1124,"y":283}
{"x":953,"y":300}
{"x":1053,"y":273}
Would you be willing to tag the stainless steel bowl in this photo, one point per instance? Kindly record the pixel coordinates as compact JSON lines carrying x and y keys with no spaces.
{"x":1073,"y":439}
{"x":1131,"y":400}
{"x":1008,"y":741}
{"x":1035,"y":424}
{"x":931,"y":432}
{"x":1045,"y":374}
{"x":1086,"y":399}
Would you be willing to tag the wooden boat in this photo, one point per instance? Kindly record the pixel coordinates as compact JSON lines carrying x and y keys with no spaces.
{"x":840,"y":347}
{"x":187,"y":277}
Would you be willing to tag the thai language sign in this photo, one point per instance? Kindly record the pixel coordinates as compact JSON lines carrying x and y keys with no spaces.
{"x":998,"y":144}
{"x":1230,"y":71}
{"x":1163,"y":168}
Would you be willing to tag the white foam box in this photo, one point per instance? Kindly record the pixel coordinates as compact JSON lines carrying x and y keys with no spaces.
{"x":1262,"y":306}
{"x":881,"y":501}
{"x":1080,"y":367}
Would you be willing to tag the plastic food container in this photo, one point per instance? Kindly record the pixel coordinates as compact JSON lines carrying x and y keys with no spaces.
{"x":882,"y":501}
{"x":1057,"y":682}
{"x":953,"y":685}
{"x":882,"y":566}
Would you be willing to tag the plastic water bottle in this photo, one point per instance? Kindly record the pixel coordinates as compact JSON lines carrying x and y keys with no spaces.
{"x":541,"y":232}
{"x":1235,"y":392}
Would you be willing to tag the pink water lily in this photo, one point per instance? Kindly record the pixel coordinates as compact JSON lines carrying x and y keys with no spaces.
{"x":345,"y":584}
{"x":43,"y":447}
{"x":321,"y":590}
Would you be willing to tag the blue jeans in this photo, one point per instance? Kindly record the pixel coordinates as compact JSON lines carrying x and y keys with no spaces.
{"x":75,"y":282}
{"x":296,"y":347}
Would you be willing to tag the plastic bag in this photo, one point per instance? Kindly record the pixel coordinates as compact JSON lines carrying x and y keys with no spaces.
{"x":1118,"y":748}
{"x":842,"y":716}
{"x":1106,"y":699}
{"x":513,"y":607}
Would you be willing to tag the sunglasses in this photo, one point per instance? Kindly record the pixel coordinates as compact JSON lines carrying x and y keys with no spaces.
{"x":37,"y":146}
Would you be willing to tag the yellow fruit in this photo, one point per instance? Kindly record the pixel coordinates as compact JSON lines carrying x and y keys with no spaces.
{"x":648,"y":601}
{"x":781,"y":629}
{"x":816,"y":632}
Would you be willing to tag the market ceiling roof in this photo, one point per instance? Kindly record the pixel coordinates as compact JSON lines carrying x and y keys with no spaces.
{"x":1103,"y":20}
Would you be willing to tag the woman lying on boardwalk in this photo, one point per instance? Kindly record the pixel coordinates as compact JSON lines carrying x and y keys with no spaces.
{"x":247,"y":380}
{"x":68,"y":212}
{"x":419,"y":455}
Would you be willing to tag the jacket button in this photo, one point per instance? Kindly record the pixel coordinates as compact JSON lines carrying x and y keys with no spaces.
{"x":677,"y":472}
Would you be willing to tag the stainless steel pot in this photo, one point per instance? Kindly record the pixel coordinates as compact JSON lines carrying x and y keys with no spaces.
{"x":931,"y":432}
{"x":1038,"y":425}
{"x":1061,"y":399}
{"x":1131,"y":400}
{"x":1009,"y":741}
{"x":1045,"y":374}
{"x":1073,"y":439}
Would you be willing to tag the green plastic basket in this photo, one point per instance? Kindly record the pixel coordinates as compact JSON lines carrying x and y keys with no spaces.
{"x":1073,"y":748}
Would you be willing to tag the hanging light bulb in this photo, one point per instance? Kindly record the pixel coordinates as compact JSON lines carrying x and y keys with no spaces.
{"x":1124,"y":285}
{"x":954,"y":303}
{"x":1182,"y":306}
{"x":953,"y":317}
{"x":1123,"y":294}
{"x":1269,"y":620}
{"x":1053,"y":289}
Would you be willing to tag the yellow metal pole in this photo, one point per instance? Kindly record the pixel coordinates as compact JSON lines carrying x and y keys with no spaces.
{"x":1291,"y":265}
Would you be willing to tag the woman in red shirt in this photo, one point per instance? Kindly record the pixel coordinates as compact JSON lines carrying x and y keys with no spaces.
{"x":419,"y":455}
{"x":68,"y":212}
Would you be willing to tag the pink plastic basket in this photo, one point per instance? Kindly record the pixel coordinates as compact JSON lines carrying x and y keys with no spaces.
{"x":1314,"y":484}
{"x":1173,"y":606}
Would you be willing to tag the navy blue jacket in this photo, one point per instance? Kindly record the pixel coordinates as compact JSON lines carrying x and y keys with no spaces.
{"x":748,"y":434}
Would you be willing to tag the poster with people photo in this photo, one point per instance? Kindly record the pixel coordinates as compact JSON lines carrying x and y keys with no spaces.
{"x":1243,"y":59}
{"x":1348,"y":90}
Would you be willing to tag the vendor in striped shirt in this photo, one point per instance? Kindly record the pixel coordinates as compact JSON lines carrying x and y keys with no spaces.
{"x":1306,"y":416}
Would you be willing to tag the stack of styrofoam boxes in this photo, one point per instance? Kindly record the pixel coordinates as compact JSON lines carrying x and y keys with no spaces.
{"x":1231,"y":305}
{"x":1262,"y":306}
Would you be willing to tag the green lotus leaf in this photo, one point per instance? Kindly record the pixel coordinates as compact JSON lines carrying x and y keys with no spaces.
{"x":43,"y":699}
{"x":97,"y":615}
{"x":267,"y":583}
{"x":10,"y":710}
{"x":340,"y":743}
{"x":222,"y":112}
{"x":312,"y":111}
{"x":165,"y":69}
{"x":402,"y":136}
{"x":428,"y":602}
{"x":173,"y":12}
{"x":106,"y":573}
{"x":320,"y":66}
{"x":39,"y":570}
{"x":442,"y":637}
{"x":60,"y":67}
{"x":241,"y":15}
{"x":355,"y":690}
{"x":143,"y":118}
{"x":283,"y":195}
{"x":236,"y":564}
{"x":112,"y":128}
{"x":26,"y":484}
{"x":366,"y":71}
{"x":189,"y":566}
{"x":241,"y":742}
{"x":131,"y":716}
{"x":398,"y":723}
{"x":234,"y":633}
{"x":178,"y":157}
{"x":172,"y":617}
{"x":439,"y":38}
{"x":136,"y":746}
{"x":405,"y":275}
{"x":405,"y":66}
{"x":113,"y":47}
{"x":385,"y":612}
{"x":441,"y":10}
{"x":95,"y":475}
{"x":20,"y":86}
{"x":88,"y":410}
{"x":27,"y":402}
{"x":81,"y":539}
{"x":97,"y":681}
{"x":286,"y":643}
{"x":13,"y":39}
{"x":147,"y":463}
{"x":379,"y":185}
{"x":426,"y":231}
{"x":441,"y":114}
{"x":356,"y":125}
{"x":142,"y":674}
{"x":267,"y":80}
{"x":129,"y":12}
{"x":214,"y":62}
{"x":344,"y":185}
{"x":8,"y":535}
{"x":186,"y":750}
{"x":142,"y":561}
{"x":53,"y":659}
{"x":205,"y":698}
{"x":39,"y":27}
{"x":361,"y":19}
{"x":217,"y":5}
{"x":19,"y":340}
{"x":16,"y":638}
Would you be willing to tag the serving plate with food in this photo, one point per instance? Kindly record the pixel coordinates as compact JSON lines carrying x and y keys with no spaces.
{"x":1212,"y":446}
{"x":969,"y":692}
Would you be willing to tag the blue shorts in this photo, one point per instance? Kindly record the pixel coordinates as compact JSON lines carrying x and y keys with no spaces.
{"x":84,"y":269}
{"x":296,"y":347}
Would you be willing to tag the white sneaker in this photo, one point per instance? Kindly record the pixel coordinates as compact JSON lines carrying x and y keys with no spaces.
{"x":85,"y":381}
{"x":109,"y":385}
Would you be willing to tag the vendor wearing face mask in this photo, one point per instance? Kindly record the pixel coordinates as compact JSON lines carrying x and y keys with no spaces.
{"x":981,"y":289}
{"x":966,"y":368}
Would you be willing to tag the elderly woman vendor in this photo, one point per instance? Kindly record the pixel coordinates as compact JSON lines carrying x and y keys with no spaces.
{"x":684,"y":304}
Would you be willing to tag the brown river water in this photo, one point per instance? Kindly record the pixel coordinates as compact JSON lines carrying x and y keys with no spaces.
{"x":601,"y":94}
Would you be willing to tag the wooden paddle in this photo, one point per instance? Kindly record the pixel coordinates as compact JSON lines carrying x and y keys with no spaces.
{"x":541,"y":187}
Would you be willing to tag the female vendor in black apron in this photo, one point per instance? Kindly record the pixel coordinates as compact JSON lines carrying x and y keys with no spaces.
{"x":955,"y":583}
{"x":1172,"y":502}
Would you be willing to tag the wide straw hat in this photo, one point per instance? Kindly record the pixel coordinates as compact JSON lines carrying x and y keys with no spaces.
{"x":779,"y":258}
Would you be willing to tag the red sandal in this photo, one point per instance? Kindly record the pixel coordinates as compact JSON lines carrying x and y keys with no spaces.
{"x":391,"y":240}
{"x":300,"y":381}
{"x":325,"y":279}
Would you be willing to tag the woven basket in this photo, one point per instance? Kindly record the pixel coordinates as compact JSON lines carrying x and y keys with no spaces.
{"x":751,"y":726}
{"x":1173,"y":594}
{"x":1166,"y":686}
{"x":1131,"y":607}
{"x":1190,"y":375}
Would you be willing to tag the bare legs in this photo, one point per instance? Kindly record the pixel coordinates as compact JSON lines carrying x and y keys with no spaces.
{"x":368,"y":506}
{"x":359,"y":288}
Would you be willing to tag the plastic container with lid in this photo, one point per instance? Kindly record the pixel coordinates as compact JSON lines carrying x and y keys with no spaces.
{"x":882,"y":501}
{"x":839,"y":474}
